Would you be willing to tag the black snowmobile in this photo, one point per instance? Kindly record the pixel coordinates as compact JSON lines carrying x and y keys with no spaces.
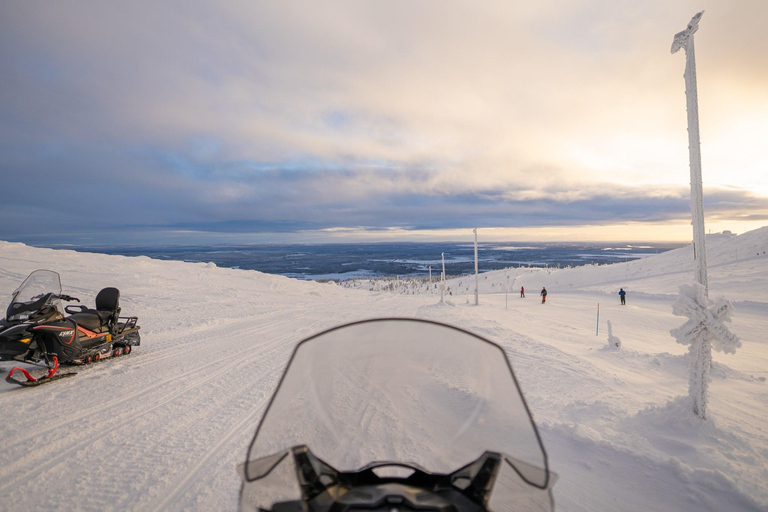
{"x":397,"y":415}
{"x":36,"y":331}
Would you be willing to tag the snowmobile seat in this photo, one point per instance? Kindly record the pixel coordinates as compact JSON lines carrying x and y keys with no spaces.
{"x":108,"y":300}
{"x":105,"y":314}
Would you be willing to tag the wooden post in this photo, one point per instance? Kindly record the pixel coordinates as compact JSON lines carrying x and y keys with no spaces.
{"x":701,"y":351}
{"x":597,"y":329}
{"x":477,"y":279}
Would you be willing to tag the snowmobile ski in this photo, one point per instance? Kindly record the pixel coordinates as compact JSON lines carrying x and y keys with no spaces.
{"x":32,"y":381}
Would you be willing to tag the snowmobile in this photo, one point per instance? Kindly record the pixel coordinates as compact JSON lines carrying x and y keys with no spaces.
{"x":36,"y":331}
{"x":396,"y":415}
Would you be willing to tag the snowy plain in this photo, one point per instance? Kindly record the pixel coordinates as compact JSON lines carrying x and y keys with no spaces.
{"x":164,"y":427}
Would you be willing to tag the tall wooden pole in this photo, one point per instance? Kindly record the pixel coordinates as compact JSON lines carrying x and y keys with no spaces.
{"x":684,"y":40}
{"x":442,"y":279}
{"x":477,"y":279}
{"x":701,"y":353}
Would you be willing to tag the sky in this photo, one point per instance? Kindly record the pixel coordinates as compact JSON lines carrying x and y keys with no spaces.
{"x":143,"y":122}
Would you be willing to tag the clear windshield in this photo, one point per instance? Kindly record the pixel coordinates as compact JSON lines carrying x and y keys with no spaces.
{"x":36,"y":285}
{"x":402,"y":391}
{"x":34,"y":294}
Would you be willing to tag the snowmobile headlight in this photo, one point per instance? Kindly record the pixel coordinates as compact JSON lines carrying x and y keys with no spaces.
{"x":19,"y":317}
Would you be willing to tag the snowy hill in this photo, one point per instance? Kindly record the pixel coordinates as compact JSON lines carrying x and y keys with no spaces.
{"x":733,"y":261}
{"x":736,"y":266}
{"x":163,"y":428}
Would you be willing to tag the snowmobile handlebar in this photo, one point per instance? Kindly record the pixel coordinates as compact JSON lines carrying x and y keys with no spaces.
{"x":69,"y":298}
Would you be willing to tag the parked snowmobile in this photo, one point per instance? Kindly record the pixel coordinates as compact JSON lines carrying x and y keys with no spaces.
{"x":36,"y":330}
{"x":397,"y":415}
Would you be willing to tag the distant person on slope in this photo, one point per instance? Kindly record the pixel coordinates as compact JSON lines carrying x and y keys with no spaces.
{"x":622,"y":294}
{"x":522,"y":292}
{"x":543,"y":295}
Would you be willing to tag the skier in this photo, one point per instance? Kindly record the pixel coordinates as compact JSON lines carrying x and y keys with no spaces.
{"x":522,"y":292}
{"x":622,"y":293}
{"x":543,"y":295}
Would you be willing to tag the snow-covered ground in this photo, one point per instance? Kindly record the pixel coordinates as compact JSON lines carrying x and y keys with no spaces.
{"x":164,"y":427}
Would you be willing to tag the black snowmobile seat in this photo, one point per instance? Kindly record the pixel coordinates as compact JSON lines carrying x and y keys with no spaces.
{"x":108,"y":299}
{"x":107,"y":309}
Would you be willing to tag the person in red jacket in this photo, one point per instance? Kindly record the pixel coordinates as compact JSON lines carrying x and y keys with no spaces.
{"x":522,"y":292}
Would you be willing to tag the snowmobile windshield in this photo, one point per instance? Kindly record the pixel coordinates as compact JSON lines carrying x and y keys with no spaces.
{"x":39,"y":285}
{"x":401,"y":391}
{"x":36,"y":285}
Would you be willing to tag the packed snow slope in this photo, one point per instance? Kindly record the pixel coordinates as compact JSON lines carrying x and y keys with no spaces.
{"x":164,"y":427}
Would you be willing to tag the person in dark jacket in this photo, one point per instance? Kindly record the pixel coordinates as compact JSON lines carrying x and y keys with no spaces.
{"x":543,"y":295}
{"x":522,"y":292}
{"x":622,"y":293}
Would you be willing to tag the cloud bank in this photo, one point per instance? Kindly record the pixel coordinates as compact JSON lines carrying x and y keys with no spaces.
{"x":293,"y":117}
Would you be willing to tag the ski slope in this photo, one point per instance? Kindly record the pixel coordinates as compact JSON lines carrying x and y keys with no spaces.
{"x":164,"y":427}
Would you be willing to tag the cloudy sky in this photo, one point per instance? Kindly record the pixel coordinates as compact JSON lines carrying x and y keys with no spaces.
{"x":250,"y":122}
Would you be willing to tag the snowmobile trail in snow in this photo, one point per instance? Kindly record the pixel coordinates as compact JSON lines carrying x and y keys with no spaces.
{"x":179,"y":490}
{"x":239,"y":358}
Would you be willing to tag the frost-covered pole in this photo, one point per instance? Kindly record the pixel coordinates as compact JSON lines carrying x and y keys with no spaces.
{"x":430,"y":279}
{"x":705,"y":325}
{"x":506,"y":290}
{"x":442,"y":279}
{"x":684,"y":40}
{"x":477,"y":279}
{"x":700,"y":349}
